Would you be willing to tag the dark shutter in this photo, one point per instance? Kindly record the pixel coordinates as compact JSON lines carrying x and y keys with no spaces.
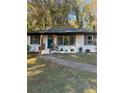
{"x":84,"y":39}
{"x":38,"y":39}
{"x":31,"y":39}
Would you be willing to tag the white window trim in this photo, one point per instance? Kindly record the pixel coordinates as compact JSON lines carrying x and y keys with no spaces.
{"x":63,"y":37}
{"x":87,"y":39}
{"x":32,"y":43}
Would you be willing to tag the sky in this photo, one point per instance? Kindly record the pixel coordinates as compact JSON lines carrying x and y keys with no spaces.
{"x":87,"y":1}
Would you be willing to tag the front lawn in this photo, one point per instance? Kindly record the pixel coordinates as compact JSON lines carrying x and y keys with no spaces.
{"x":89,"y":58}
{"x":47,"y":77}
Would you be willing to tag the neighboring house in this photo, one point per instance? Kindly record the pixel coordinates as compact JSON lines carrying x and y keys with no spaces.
{"x":62,"y":40}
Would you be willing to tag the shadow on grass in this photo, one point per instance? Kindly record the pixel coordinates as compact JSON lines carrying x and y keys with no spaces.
{"x":32,"y":55}
{"x":47,"y":77}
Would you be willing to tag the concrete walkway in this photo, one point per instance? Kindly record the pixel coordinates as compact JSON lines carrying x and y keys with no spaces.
{"x":72,"y":64}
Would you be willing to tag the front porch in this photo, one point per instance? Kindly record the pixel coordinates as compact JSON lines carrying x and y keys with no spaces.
{"x":59,"y":44}
{"x":64,"y":44}
{"x":63,"y":41}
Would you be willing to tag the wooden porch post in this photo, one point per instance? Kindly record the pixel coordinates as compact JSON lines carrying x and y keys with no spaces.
{"x":54,"y":44}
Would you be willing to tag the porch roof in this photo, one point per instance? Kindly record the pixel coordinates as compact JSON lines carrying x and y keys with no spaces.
{"x":61,"y":31}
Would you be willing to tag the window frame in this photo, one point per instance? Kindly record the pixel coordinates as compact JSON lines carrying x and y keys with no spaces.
{"x":65,"y":40}
{"x":58,"y":42}
{"x":68,"y":40}
{"x":35,"y":39}
{"x":74,"y":37}
{"x":87,"y":41}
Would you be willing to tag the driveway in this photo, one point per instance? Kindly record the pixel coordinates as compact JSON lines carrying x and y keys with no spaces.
{"x":72,"y":64}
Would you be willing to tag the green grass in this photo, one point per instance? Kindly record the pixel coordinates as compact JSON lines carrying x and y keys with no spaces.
{"x":46,"y":77}
{"x":82,"y":58}
{"x":31,"y":55}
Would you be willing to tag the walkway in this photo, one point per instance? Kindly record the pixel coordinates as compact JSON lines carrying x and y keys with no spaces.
{"x":76,"y":65}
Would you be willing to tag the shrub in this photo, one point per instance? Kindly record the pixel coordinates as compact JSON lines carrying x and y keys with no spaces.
{"x":66,"y":50}
{"x":87,"y":50}
{"x":72,"y":49}
{"x":61,"y":49}
{"x":80,"y":49}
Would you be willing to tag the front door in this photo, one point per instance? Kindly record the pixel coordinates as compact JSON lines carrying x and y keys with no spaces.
{"x":50,"y":41}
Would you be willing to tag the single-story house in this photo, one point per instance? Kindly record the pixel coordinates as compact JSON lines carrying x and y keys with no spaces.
{"x":62,"y":40}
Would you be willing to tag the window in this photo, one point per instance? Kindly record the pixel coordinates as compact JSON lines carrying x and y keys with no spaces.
{"x":66,"y":40}
{"x":89,"y":39}
{"x":71,"y":40}
{"x":35,"y":39}
{"x":60,"y":40}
